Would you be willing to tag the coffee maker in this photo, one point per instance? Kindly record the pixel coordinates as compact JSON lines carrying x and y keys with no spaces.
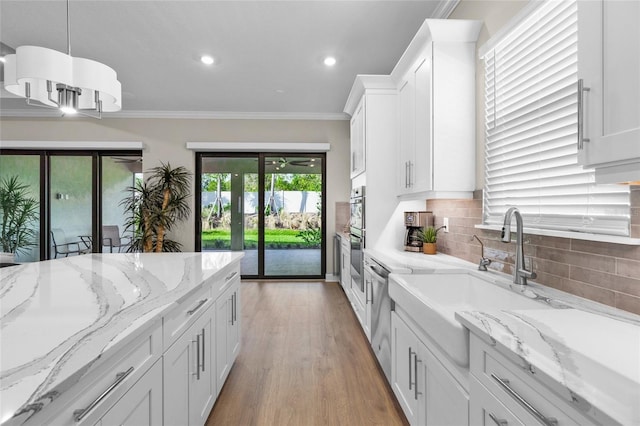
{"x":415,"y":222}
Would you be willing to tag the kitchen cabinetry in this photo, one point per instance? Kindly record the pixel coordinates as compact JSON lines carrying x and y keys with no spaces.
{"x":501,"y":390}
{"x":345,"y":264}
{"x":436,"y":110}
{"x":426,"y":391}
{"x":358,"y":140}
{"x":141,"y":405}
{"x":189,"y":380}
{"x":227,"y":330}
{"x":608,"y":68}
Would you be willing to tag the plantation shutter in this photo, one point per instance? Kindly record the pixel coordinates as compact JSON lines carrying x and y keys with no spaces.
{"x":531,"y":131}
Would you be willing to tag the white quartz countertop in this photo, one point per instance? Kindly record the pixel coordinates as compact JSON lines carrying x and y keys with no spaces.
{"x":585,"y":351}
{"x":59,"y":316}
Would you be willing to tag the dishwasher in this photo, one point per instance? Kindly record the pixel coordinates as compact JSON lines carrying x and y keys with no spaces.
{"x":377,"y":284}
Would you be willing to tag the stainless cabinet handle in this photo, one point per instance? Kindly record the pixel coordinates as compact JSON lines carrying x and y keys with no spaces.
{"x":410,"y":169}
{"x":581,"y":138}
{"x":235,"y":307}
{"x":197,"y":342}
{"x":203,"y":351}
{"x":497,"y":421}
{"x":231,"y":275}
{"x":198,"y":306}
{"x":504,"y":383}
{"x":410,"y":375}
{"x":80,"y":414}
{"x":415,"y":371}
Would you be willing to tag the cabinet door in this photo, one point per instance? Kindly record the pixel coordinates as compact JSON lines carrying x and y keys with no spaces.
{"x":444,"y":402}
{"x":368,"y":298}
{"x":202,"y":392}
{"x":404,"y":348}
{"x":345,"y":274}
{"x":358,"y":140}
{"x":609,"y":65}
{"x":141,"y":405}
{"x":233,"y":344}
{"x":177,"y":369}
{"x":422,"y":170}
{"x":189,"y":382}
{"x":406,"y":118}
{"x":486,"y":410}
{"x":223,"y":321}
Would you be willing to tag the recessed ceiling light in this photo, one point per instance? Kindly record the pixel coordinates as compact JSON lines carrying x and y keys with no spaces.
{"x":329,"y":61}
{"x":206,"y":59}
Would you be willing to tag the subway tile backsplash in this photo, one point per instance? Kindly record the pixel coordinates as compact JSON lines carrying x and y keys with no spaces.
{"x":603,"y":272}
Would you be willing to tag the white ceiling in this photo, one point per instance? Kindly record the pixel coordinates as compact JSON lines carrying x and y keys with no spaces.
{"x":269,"y":54}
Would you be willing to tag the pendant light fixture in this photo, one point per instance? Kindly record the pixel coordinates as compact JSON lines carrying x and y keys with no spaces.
{"x":52,"y":79}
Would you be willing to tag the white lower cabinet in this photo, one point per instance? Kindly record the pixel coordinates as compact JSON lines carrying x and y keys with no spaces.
{"x":502,"y":390}
{"x":426,"y":391}
{"x":141,"y":405}
{"x":345,"y":264}
{"x":189,"y":380}
{"x":227,"y":331}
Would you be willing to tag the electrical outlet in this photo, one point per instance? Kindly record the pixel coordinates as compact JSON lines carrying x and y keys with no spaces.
{"x":445,"y":222}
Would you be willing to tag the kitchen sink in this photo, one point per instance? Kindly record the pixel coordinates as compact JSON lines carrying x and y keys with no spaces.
{"x":432,"y":300}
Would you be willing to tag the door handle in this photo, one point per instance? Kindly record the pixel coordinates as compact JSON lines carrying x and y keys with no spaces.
{"x":203,"y":352}
{"x":581,"y":138}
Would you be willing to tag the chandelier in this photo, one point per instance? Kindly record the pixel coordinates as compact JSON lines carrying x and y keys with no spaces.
{"x":52,"y":79}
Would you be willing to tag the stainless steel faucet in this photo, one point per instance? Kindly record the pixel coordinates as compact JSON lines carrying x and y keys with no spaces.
{"x":520,"y":273}
{"x":484,"y":262}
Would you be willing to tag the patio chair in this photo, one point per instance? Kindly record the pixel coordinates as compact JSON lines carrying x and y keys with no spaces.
{"x":111,"y":238}
{"x":62,"y":246}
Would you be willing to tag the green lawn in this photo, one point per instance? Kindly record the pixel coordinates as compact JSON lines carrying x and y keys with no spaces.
{"x":274,"y":238}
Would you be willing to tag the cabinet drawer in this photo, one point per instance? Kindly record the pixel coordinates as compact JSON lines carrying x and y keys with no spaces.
{"x":515,"y":388}
{"x":486,"y":410}
{"x":184,"y":314}
{"x":225,"y":278}
{"x":108,"y":381}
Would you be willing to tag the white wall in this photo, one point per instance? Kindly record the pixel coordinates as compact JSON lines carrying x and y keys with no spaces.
{"x":164,"y":141}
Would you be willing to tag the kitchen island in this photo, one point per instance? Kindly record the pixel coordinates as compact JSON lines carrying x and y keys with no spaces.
{"x":79,"y":332}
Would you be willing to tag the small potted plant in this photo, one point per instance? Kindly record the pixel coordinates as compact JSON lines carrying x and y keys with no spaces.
{"x":429,"y":237}
{"x":18,"y":218}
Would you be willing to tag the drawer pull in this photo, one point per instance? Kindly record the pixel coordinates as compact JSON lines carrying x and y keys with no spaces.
{"x":504,"y":383}
{"x":198,"y":306}
{"x":80,"y":414}
{"x":231,"y":275}
{"x":499,"y":422}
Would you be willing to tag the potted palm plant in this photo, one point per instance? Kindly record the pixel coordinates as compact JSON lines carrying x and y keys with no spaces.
{"x":429,"y":237}
{"x":155,"y":206}
{"x":18,"y":213}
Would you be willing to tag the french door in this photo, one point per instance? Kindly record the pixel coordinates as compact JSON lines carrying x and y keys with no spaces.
{"x":270,"y":205}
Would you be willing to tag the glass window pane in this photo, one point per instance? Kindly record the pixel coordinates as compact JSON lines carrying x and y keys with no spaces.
{"x":27,"y":169}
{"x":70,"y":198}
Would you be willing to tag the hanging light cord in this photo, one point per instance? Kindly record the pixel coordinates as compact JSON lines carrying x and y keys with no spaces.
{"x":68,"y":31}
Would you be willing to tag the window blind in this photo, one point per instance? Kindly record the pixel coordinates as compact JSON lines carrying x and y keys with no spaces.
{"x":531,"y":131}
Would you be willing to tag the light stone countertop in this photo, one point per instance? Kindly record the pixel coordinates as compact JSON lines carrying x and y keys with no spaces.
{"x":59,"y":316}
{"x":583,"y":350}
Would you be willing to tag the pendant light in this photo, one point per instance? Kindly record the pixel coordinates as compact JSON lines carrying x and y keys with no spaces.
{"x":52,"y":79}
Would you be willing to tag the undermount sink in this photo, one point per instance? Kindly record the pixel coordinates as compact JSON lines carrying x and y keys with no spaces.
{"x":433,"y":299}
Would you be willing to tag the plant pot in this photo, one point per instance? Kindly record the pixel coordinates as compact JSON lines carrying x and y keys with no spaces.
{"x":429,"y":248}
{"x":7,"y":257}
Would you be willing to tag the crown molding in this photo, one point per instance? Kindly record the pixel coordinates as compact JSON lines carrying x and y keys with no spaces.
{"x":201,"y":115}
{"x":445,"y":9}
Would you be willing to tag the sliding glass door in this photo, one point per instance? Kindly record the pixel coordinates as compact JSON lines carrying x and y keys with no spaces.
{"x":268,"y":205}
{"x":79,"y":195}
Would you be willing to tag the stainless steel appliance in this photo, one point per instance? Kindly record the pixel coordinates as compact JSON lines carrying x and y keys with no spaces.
{"x":415,"y":222}
{"x":377,"y":277}
{"x":357,"y":235}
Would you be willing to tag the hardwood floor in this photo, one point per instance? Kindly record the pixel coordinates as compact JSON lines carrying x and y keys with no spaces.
{"x":304,"y":361}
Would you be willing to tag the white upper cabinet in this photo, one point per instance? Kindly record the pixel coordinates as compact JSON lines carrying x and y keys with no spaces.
{"x":358,"y":140}
{"x":436,"y":110}
{"x":609,"y":69}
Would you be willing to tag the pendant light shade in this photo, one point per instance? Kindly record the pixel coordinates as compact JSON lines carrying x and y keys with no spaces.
{"x":49,"y":78}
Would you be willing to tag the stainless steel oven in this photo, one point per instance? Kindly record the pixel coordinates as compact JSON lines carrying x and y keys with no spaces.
{"x":357,"y":235}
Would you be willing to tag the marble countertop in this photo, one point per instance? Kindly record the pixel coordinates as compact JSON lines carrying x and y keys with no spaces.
{"x":584,"y":350}
{"x":59,"y":316}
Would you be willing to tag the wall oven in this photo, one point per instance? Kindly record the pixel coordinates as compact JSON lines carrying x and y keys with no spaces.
{"x":357,"y":235}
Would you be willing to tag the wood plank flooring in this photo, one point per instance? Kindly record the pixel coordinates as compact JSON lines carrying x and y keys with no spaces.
{"x":304,"y":361}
